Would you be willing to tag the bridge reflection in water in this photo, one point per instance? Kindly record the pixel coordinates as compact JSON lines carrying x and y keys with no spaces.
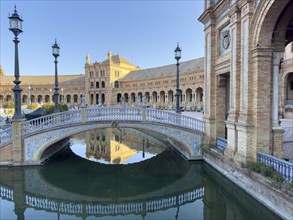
{"x":162,"y":187}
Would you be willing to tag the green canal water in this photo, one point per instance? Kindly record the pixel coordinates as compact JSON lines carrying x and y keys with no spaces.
{"x":122,"y":174}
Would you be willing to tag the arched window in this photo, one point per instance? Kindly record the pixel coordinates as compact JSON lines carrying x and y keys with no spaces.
{"x":92,"y":85}
{"x":97,"y":85}
{"x":116,"y":84}
{"x":103,"y":84}
{"x":75,"y":98}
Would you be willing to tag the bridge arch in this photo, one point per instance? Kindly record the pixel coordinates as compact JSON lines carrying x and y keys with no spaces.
{"x":38,"y":134}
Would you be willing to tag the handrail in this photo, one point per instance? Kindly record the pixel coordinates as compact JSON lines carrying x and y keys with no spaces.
{"x":50,"y":121}
{"x":100,"y":114}
{"x":283,"y":167}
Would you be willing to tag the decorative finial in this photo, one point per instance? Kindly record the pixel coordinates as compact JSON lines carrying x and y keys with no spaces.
{"x":15,"y":11}
{"x":88,"y":59}
{"x":109,"y":54}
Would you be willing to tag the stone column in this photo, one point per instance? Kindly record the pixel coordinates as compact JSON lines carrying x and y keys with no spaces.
{"x":277,"y":58}
{"x":232,"y":133}
{"x":278,"y":132}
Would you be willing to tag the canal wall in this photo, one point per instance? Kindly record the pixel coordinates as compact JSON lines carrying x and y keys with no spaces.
{"x":6,"y":155}
{"x":253,"y":184}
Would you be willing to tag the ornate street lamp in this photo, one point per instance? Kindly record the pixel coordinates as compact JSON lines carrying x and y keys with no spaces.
{"x":55,"y":53}
{"x":15,"y":23}
{"x":177,"y":57}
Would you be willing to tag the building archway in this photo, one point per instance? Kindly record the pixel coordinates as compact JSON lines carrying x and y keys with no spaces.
{"x":40,"y":99}
{"x":68,"y":99}
{"x":126,"y":96}
{"x":119,"y":97}
{"x":24,"y":99}
{"x":103,"y":98}
{"x":47,"y":98}
{"x":132,"y":95}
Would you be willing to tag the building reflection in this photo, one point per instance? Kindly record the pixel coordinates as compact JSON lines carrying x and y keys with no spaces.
{"x":117,"y":145}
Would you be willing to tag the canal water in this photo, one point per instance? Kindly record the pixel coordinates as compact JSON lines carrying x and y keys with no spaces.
{"x":122,"y":174}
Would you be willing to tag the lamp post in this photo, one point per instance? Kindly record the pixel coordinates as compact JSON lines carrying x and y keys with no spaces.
{"x":15,"y":23}
{"x":55,"y":53}
{"x":177,"y":57}
{"x":29,"y":94}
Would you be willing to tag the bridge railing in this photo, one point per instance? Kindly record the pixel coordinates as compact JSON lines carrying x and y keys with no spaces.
{"x":114,"y":113}
{"x":153,"y":115}
{"x":6,"y":135}
{"x":119,"y":113}
{"x":50,"y":121}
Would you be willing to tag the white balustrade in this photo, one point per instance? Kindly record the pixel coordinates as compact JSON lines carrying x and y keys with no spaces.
{"x":99,"y":114}
{"x":51,"y":121}
{"x":6,"y":193}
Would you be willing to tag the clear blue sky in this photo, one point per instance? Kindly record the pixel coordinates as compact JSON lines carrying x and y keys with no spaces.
{"x":143,"y":32}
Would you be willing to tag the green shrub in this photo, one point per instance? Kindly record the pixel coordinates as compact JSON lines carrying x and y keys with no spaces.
{"x":9,"y":104}
{"x":33,"y":106}
{"x":267,"y":171}
{"x":291,"y":186}
{"x":50,"y":107}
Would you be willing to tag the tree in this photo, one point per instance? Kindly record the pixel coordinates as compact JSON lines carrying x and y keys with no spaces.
{"x":9,"y":104}
{"x":50,"y":108}
{"x":33,"y":106}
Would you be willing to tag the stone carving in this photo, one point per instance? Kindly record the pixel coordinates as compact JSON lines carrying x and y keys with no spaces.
{"x":226,"y":39}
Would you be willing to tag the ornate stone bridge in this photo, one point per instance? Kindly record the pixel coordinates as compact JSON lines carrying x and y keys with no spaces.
{"x":28,"y":142}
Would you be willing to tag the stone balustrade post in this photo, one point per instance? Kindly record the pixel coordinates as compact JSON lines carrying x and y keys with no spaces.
{"x":83,"y":111}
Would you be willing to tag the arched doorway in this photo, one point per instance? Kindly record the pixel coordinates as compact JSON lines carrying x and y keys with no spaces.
{"x":119,"y":97}
{"x":40,"y":99}
{"x":75,"y":99}
{"x":103,"y":98}
{"x":132,"y":95}
{"x":139,"y":96}
{"x":68,"y":99}
{"x":126,"y":97}
{"x":24,"y":99}
{"x":47,"y":98}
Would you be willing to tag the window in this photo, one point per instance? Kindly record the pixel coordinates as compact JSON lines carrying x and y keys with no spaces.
{"x":291,"y":87}
{"x":116,"y":84}
{"x":92,"y":85}
{"x":103,"y":84}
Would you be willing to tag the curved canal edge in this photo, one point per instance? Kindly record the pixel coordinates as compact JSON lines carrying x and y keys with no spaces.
{"x":257,"y":189}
